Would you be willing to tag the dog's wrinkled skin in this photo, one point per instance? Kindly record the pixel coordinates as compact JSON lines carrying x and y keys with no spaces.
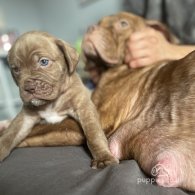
{"x":44,"y":70}
{"x":101,"y":48}
{"x":152,"y":110}
{"x":147,"y":113}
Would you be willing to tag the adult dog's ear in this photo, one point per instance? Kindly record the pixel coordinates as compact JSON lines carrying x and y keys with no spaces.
{"x":70,"y":55}
{"x":163,"y":29}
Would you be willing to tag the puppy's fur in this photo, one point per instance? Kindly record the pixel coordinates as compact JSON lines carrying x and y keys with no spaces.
{"x":43,"y":67}
{"x":147,"y":113}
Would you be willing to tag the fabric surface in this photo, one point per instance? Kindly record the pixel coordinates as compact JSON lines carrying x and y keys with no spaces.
{"x":66,"y":170}
{"x":178,"y":15}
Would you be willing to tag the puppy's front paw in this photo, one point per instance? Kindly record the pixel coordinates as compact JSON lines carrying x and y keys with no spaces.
{"x":3,"y":153}
{"x":4,"y":148}
{"x":104,"y":161}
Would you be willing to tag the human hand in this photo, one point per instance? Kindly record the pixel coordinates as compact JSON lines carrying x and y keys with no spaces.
{"x":147,"y":47}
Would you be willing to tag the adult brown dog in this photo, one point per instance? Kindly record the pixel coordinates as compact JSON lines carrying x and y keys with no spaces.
{"x":44,"y":70}
{"x":147,"y":113}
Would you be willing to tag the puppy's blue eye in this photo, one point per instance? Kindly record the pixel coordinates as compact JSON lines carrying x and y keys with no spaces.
{"x":43,"y":62}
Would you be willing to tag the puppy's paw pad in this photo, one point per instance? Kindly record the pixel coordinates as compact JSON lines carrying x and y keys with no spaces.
{"x":102,"y":163}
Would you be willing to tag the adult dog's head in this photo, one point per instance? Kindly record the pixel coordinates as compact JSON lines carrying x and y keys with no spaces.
{"x":104,"y":44}
{"x":40,"y":65}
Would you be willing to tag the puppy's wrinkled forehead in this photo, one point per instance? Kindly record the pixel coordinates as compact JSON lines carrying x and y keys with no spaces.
{"x":31,"y":45}
{"x":124,"y":18}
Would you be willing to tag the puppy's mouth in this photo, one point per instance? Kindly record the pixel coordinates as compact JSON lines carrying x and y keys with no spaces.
{"x":38,"y":102}
{"x":37,"y":92}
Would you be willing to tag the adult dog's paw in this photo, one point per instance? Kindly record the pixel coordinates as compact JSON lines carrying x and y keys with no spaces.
{"x":104,"y":161}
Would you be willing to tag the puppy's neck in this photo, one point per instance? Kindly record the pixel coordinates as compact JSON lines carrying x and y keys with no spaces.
{"x":58,"y":109}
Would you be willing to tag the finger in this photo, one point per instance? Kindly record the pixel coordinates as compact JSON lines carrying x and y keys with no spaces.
{"x":140,"y":62}
{"x":145,"y":33}
{"x":127,"y":58}
{"x":142,"y":44}
{"x":137,"y":36}
{"x":138,"y":54}
{"x":142,"y":34}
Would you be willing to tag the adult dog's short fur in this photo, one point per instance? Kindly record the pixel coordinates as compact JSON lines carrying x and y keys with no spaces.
{"x":147,"y":113}
{"x":43,"y":67}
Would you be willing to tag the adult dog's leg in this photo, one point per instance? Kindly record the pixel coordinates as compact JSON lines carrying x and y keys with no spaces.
{"x":68,"y":132}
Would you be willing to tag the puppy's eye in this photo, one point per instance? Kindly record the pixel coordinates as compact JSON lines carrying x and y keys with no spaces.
{"x":124,"y":23}
{"x":15,"y":70}
{"x":44,"y":62}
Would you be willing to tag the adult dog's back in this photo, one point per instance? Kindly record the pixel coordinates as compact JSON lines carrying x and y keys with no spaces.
{"x":148,"y":112}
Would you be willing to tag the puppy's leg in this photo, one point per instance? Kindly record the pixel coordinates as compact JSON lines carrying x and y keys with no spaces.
{"x":56,"y":138}
{"x":19,"y":128}
{"x":96,"y":139}
{"x":4,"y":125}
{"x":67,"y":132}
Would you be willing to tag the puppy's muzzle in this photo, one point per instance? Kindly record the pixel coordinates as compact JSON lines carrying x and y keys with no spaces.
{"x":37,"y":87}
{"x":88,"y":46}
{"x":98,"y":43}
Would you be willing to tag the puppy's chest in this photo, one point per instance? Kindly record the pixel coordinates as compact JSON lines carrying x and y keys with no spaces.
{"x":50,"y":115}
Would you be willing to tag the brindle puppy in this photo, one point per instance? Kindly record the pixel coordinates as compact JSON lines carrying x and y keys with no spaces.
{"x":44,"y":70}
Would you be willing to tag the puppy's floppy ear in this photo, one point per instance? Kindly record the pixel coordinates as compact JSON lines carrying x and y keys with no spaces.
{"x":8,"y":60}
{"x":163,"y":29}
{"x":70,"y":54}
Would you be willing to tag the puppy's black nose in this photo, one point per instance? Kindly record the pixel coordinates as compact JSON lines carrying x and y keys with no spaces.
{"x":29,"y":86}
